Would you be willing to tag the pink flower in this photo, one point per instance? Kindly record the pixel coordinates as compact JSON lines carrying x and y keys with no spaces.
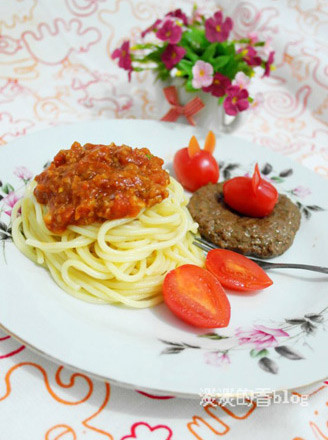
{"x":268,"y":65}
{"x":172,"y":55}
{"x":253,"y":36}
{"x":178,"y":14}
{"x":169,"y":31}
{"x":23,"y":173}
{"x":218,"y":86}
{"x":10,"y":200}
{"x":260,"y":336}
{"x":217,"y":359}
{"x":301,"y":191}
{"x":197,"y":15}
{"x":216,"y":29}
{"x":236,"y":101}
{"x":250,"y":56}
{"x":151,"y":28}
{"x":257,"y":102}
{"x":241,"y":80}
{"x":202,"y":74}
{"x":124,"y":55}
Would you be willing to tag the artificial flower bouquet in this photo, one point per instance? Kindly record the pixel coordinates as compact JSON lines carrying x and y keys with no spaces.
{"x":198,"y":50}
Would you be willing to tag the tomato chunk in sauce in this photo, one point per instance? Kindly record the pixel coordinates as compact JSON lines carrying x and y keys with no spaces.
{"x":95,"y":183}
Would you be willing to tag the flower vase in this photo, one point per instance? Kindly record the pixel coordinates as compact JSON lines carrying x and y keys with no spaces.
{"x":211,"y":117}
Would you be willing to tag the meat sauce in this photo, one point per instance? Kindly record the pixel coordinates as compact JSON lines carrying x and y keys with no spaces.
{"x":95,"y":183}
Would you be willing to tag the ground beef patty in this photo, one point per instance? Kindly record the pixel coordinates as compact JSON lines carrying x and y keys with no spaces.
{"x":262,"y":237}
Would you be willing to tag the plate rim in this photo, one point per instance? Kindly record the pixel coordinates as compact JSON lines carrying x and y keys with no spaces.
{"x":130,"y":385}
{"x":133,"y":387}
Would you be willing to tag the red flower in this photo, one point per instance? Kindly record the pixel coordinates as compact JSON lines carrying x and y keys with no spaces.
{"x":250,"y":56}
{"x":151,"y":28}
{"x":218,"y":86}
{"x":170,"y":32}
{"x":216,"y":29}
{"x":123,"y":53}
{"x":236,"y":100}
{"x":268,"y":64}
{"x":172,"y":55}
{"x":178,"y":14}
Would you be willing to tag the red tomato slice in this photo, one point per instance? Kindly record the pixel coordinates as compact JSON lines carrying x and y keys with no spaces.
{"x":235,"y":271}
{"x":196,"y":171}
{"x":196,"y":296}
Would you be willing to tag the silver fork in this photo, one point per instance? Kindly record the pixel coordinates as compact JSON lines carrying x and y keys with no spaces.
{"x":207,"y":246}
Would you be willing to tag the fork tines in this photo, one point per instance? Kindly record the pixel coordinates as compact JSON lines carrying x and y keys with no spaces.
{"x":204,"y":244}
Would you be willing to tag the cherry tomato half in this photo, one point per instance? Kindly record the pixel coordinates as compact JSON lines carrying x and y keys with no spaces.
{"x":197,"y":297}
{"x":235,"y":271}
{"x":252,"y":196}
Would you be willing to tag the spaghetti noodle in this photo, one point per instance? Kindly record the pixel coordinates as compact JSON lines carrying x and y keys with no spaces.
{"x":122,"y":261}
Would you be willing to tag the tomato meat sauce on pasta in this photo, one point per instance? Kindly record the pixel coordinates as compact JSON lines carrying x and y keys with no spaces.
{"x":108,"y":223}
{"x":94,"y":183}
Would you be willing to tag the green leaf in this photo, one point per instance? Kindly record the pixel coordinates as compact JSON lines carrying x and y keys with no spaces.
{"x":195,"y":38}
{"x":189,"y":87}
{"x":213,"y":336}
{"x":7,"y":188}
{"x":162,"y":73}
{"x":141,"y":61}
{"x":143,"y":46}
{"x":230,"y":49}
{"x":155,"y":56}
{"x":209,"y":52}
{"x":230,"y":69}
{"x":221,"y":49}
{"x":226,"y":48}
{"x":258,"y":353}
{"x":277,"y":179}
{"x":221,"y":99}
{"x":244,"y":41}
{"x":185,"y":66}
{"x":190,"y":53}
{"x":244,"y":67}
{"x":220,"y":62}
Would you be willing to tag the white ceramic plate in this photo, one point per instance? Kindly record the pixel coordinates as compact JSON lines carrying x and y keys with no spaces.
{"x":276,"y":338}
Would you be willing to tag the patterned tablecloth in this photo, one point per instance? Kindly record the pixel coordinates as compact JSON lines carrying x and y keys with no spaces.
{"x":55,"y":67}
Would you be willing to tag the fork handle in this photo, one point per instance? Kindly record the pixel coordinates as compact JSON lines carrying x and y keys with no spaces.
{"x":207,"y":246}
{"x":268,"y":265}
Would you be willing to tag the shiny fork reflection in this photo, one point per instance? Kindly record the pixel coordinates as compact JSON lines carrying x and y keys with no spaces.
{"x":207,"y":246}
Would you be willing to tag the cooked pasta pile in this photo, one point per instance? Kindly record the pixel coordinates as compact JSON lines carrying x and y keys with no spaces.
{"x":120,"y":261}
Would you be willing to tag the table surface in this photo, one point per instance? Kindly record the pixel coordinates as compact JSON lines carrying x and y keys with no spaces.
{"x":55,"y":67}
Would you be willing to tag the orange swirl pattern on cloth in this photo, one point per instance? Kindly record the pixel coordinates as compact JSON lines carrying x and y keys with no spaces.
{"x":77,"y":80}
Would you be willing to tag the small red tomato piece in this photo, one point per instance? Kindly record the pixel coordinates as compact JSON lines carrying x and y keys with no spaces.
{"x":235,"y":271}
{"x":196,"y":171}
{"x":252,"y":196}
{"x":196,"y":296}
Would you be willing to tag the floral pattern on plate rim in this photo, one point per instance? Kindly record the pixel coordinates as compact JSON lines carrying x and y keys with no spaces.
{"x":262,"y":341}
